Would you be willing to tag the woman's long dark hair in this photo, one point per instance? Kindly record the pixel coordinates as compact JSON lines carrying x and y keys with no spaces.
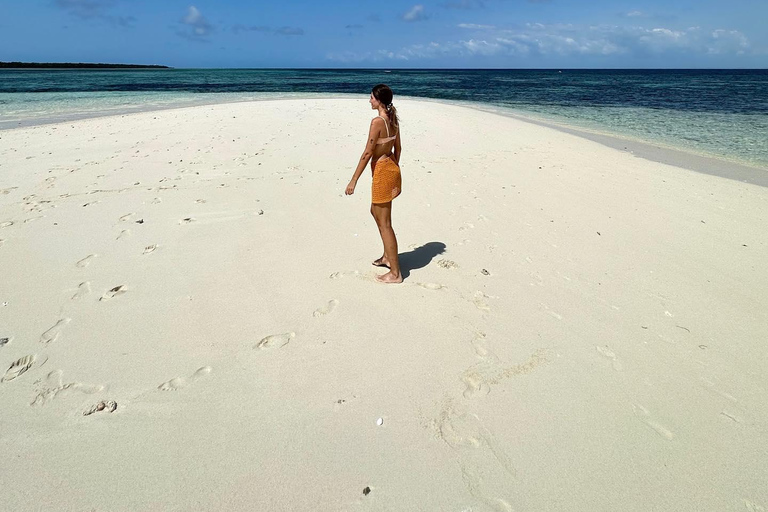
{"x":384,"y":94}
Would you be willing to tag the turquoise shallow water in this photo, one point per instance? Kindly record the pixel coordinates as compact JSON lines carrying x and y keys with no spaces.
{"x":720,"y":113}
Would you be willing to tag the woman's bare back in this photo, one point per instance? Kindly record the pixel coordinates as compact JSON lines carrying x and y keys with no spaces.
{"x":384,"y":149}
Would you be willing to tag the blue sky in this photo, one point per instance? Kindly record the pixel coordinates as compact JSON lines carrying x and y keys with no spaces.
{"x":391,"y":34}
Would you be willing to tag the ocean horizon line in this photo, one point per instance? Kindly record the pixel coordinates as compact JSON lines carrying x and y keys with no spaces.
{"x":164,"y":67}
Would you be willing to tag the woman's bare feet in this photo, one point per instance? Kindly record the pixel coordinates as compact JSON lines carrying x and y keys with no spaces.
{"x":390,"y":278}
{"x":381,"y":262}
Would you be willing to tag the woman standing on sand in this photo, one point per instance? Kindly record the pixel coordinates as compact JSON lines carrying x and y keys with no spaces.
{"x":383,"y":138}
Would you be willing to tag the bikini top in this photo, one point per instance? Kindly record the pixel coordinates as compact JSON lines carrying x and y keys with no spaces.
{"x":385,"y":140}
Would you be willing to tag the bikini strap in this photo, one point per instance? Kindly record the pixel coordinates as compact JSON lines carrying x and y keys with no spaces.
{"x":385,"y":124}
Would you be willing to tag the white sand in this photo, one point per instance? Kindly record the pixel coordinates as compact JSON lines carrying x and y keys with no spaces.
{"x":613,"y":358}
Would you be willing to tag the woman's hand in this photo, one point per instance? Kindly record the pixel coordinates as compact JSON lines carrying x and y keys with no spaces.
{"x":350,"y":188}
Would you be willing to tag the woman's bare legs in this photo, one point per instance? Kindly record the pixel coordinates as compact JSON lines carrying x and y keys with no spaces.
{"x":382,"y":261}
{"x":382,"y":213}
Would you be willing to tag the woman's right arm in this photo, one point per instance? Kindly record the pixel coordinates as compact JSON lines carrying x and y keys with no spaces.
{"x":398,"y":149}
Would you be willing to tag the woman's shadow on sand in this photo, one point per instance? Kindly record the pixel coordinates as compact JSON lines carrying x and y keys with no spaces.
{"x":420,"y":257}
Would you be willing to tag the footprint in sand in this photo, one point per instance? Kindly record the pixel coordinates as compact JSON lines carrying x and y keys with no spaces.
{"x":123,"y":234}
{"x":326,"y":309}
{"x":53,"y":333}
{"x":447,"y":264}
{"x":431,"y":286}
{"x":54,"y":386}
{"x":23,"y":365}
{"x":85,"y":261}
{"x":150,"y":249}
{"x":181,"y":382}
{"x":83,"y":289}
{"x":480,"y":377}
{"x":481,"y":347}
{"x":126,"y":217}
{"x":113,"y":292}
{"x":275,"y":341}
{"x":104,"y":405}
{"x":339,"y":275}
{"x":476,"y":385}
{"x":6,"y":224}
{"x":187,"y":220}
{"x":478,"y":299}
{"x":5,"y":341}
{"x":481,"y":459}
{"x":608,"y":354}
{"x":645,"y":416}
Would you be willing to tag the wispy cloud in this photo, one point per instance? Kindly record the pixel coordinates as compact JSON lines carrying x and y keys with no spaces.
{"x":415,"y":13}
{"x":95,"y":10}
{"x":464,"y":4}
{"x":86,"y":8}
{"x":251,"y":28}
{"x":281,"y":31}
{"x":196,"y":27}
{"x":352,"y":57}
{"x":475,"y":26}
{"x":728,"y":41}
{"x":290,"y":31}
{"x":569,"y":40}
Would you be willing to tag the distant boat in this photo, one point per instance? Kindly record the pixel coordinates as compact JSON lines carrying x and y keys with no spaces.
{"x":387,"y":71}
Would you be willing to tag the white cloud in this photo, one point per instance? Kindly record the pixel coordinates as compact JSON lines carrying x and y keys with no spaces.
{"x":475,"y":26}
{"x":198,"y":27}
{"x":573,"y":40}
{"x":350,"y":57}
{"x":728,"y":41}
{"x":416,"y":13}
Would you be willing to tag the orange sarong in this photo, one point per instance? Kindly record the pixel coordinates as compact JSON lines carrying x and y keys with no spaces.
{"x":386,"y":181}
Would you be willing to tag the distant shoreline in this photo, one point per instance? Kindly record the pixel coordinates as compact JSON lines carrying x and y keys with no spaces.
{"x":73,"y":65}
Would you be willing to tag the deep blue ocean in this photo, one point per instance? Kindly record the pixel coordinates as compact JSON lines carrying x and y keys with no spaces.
{"x":721,"y":113}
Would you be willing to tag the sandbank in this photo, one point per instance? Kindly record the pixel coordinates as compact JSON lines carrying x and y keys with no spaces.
{"x":579,"y":329}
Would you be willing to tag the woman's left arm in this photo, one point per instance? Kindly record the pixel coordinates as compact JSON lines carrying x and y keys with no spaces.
{"x":373,"y":134}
